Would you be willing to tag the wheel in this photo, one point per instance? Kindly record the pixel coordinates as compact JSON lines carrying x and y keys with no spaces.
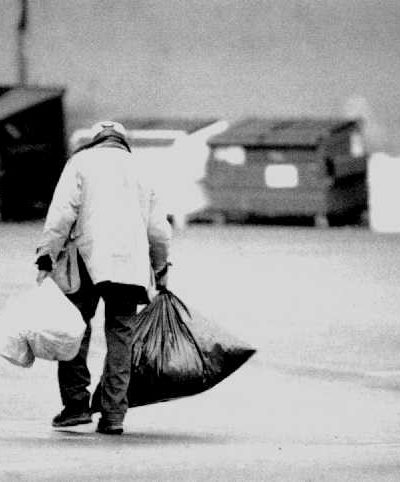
{"x":321,"y":221}
{"x":219,"y":218}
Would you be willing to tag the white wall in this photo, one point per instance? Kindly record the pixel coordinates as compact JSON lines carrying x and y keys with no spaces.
{"x":227,"y":58}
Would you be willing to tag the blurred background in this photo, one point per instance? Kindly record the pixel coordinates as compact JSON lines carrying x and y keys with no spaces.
{"x":154,"y":63}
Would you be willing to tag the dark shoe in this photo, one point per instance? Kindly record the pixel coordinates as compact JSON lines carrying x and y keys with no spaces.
{"x":109,"y":428}
{"x":70,"y":417}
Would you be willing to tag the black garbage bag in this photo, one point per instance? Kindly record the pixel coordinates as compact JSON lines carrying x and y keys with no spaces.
{"x":177,"y":352}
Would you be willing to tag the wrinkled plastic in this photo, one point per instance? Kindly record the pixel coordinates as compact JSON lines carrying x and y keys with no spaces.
{"x":177,"y":353}
{"x":15,"y":349}
{"x":41,"y":323}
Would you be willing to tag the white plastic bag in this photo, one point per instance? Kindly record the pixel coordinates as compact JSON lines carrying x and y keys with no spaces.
{"x":41,"y":323}
{"x":14,"y":345}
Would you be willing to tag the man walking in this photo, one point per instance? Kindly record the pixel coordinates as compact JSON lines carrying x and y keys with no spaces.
{"x":104,"y":206}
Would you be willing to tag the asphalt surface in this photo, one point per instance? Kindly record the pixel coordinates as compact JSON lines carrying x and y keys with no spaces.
{"x":319,"y":402}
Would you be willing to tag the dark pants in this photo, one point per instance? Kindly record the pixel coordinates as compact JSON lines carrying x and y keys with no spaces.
{"x":120,"y":301}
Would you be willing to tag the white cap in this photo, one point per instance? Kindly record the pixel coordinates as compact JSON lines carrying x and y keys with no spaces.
{"x":100,"y":126}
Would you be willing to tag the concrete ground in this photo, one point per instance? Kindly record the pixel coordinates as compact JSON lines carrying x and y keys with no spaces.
{"x":319,"y":402}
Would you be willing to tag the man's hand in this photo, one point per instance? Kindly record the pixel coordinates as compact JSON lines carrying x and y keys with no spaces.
{"x":162,"y":278}
{"x":41,"y":275}
{"x":45,"y":266}
{"x":162,"y":282}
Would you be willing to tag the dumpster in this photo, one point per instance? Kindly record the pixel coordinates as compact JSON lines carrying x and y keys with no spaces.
{"x":287,"y":168}
{"x":173,"y":153}
{"x":32,"y":149}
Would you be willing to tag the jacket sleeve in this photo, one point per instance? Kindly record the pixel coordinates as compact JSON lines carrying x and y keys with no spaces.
{"x":159,"y":233}
{"x":62,"y":213}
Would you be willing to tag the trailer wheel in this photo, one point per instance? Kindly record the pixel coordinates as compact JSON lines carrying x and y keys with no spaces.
{"x":219,"y":218}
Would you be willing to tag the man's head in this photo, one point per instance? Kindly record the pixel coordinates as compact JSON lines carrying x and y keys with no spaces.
{"x":110,"y":128}
{"x":107,"y":133}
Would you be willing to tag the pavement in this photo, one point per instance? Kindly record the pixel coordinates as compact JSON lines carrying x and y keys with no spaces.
{"x":318,"y":402}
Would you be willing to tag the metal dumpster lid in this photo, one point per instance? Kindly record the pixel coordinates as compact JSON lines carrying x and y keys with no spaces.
{"x":18,"y":99}
{"x":293,"y":132}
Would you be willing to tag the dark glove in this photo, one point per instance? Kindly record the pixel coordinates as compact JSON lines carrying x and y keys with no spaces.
{"x":162,"y":278}
{"x":44,"y":263}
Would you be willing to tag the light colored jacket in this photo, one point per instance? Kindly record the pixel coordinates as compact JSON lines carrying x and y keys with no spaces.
{"x":103,"y":202}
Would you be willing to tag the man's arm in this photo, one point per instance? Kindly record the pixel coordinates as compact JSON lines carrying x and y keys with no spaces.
{"x":160,"y":234}
{"x":61,"y":215}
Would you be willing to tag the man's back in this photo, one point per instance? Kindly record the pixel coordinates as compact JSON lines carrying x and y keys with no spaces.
{"x":118,"y":219}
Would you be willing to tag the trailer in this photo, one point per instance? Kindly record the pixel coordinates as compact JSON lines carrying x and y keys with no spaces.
{"x":172,"y":152}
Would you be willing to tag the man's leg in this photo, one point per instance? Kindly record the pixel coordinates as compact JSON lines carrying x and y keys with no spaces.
{"x":120,"y":310}
{"x":74,"y":375}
